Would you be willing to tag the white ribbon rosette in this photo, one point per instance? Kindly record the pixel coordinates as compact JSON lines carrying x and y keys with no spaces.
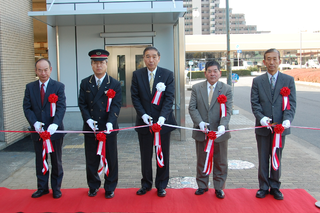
{"x":157,"y":96}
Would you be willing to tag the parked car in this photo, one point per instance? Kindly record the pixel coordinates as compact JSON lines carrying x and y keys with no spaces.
{"x":313,"y":63}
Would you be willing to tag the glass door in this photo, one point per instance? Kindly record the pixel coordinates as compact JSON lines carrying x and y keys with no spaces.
{"x":123,"y":60}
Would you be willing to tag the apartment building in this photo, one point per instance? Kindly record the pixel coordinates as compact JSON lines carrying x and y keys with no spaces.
{"x":205,"y":17}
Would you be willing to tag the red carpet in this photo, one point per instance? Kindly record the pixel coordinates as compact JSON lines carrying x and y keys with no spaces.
{"x":177,"y":200}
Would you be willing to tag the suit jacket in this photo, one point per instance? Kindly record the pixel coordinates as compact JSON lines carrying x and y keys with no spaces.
{"x":35,"y":112}
{"x":141,"y":98}
{"x":93,"y":102}
{"x":263,"y":104}
{"x":200,"y":110}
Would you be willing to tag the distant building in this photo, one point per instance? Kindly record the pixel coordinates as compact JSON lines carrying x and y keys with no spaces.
{"x":204,"y":17}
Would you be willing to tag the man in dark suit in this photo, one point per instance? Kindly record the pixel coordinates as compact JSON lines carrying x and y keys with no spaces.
{"x":93,"y":103}
{"x":145,"y":82}
{"x":204,"y":110}
{"x":266,"y":104}
{"x":36,"y":108}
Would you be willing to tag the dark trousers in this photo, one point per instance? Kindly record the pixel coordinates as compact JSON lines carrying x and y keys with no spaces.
{"x":56,"y":163}
{"x":146,"y":151}
{"x":93,"y":162}
{"x":267,"y":181}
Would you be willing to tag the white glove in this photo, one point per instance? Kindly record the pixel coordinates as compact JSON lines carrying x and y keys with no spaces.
{"x":265,"y":121}
{"x":109,"y":127}
{"x":161,"y":120}
{"x":221,"y":130}
{"x":203,"y":125}
{"x":146,"y":118}
{"x":286,"y":124}
{"x":92,"y":124}
{"x":52,"y":128}
{"x":38,"y":126}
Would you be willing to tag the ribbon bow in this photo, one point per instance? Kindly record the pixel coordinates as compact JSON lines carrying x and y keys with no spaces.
{"x":102,"y":138}
{"x":53,"y":98}
{"x":222,"y":99}
{"x":209,"y":150}
{"x":110,"y":93}
{"x":46,"y":149}
{"x":285,"y":92}
{"x":157,"y":143}
{"x":157,"y":96}
{"x":277,"y":143}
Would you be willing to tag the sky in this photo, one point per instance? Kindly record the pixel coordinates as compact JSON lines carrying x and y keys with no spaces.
{"x":278,"y":16}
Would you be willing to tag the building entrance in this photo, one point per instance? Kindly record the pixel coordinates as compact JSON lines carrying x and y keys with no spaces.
{"x":123,"y":60}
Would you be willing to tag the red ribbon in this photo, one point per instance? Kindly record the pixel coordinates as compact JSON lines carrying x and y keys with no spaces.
{"x":110,"y":94}
{"x":157,"y":143}
{"x":285,"y":92}
{"x":101,"y":137}
{"x":46,"y":149}
{"x":209,"y":150}
{"x":53,"y":98}
{"x":277,"y":143}
{"x":222,"y":99}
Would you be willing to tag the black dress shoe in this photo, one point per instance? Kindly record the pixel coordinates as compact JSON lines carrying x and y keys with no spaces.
{"x":276,"y":194}
{"x":162,"y":192}
{"x":57,"y":194}
{"x":220,"y":194}
{"x":109,"y":195}
{"x":39,"y":193}
{"x":142,"y":190}
{"x":200,"y":191}
{"x":92,"y":192}
{"x":262,"y":193}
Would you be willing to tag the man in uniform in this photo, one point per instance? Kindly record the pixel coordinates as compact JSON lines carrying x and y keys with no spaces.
{"x":98,"y":115}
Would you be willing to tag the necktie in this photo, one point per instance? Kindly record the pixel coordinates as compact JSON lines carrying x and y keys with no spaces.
{"x":272,"y":82}
{"x":98,"y":83}
{"x":42,"y":93}
{"x":210,"y":94}
{"x":151,"y":82}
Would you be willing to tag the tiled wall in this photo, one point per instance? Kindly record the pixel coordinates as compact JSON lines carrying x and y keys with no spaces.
{"x":17,"y":65}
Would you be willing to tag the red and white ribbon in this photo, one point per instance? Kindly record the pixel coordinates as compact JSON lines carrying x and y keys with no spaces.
{"x":46,"y":149}
{"x":110,"y":93}
{"x":53,"y":98}
{"x":277,"y":143}
{"x":222,"y":99}
{"x":285,"y":92}
{"x":157,"y":143}
{"x":157,"y":96}
{"x":209,"y":150}
{"x":101,"y":137}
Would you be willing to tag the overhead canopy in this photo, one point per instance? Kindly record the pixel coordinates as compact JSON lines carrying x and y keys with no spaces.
{"x":105,"y":17}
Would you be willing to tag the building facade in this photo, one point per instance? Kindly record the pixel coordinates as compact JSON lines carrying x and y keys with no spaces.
{"x":204,"y":17}
{"x":16,"y":67}
{"x":124,"y":28}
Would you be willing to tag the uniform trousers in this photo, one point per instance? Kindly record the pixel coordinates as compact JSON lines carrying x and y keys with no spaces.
{"x":93,"y":162}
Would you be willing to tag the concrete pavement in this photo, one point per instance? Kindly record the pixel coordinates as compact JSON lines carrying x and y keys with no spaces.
{"x":300,"y":164}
